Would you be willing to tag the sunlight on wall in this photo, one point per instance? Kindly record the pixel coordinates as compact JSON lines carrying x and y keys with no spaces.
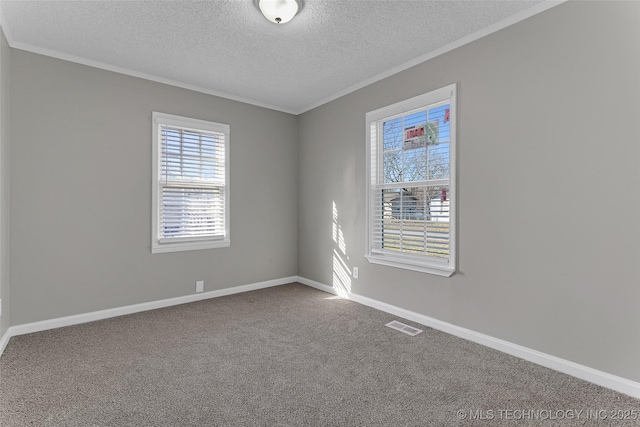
{"x":341,"y":271}
{"x":338,"y":237}
{"x":341,"y":276}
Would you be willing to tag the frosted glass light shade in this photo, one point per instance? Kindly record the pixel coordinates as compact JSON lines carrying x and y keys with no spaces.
{"x":279,"y":11}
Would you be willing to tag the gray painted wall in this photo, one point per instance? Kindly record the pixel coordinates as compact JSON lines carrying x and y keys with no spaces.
{"x":5,"y":58}
{"x":81,"y":192}
{"x":548,"y":155}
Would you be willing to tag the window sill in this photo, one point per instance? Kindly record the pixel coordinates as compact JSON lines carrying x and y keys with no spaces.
{"x":189,"y":246}
{"x":437,"y":269}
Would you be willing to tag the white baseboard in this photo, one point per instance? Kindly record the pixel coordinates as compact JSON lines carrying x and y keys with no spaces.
{"x":4,"y":340}
{"x":59,"y":322}
{"x":586,"y":373}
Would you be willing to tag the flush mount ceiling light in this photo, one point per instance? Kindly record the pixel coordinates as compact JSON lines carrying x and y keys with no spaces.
{"x":279,"y":11}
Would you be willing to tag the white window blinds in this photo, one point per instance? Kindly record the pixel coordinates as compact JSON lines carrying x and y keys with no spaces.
{"x":191,"y":182}
{"x":411,"y":196}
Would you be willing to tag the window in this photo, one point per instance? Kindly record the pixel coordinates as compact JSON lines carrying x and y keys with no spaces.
{"x":190,"y":184}
{"x":411,"y":190}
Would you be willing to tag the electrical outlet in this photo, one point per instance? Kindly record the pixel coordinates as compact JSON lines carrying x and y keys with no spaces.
{"x":200,"y":286}
{"x":355,"y":272}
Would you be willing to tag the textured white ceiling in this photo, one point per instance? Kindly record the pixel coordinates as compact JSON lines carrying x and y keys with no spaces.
{"x":229,"y":48}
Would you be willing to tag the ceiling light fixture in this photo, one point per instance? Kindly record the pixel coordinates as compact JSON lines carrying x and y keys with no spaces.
{"x":279,"y":11}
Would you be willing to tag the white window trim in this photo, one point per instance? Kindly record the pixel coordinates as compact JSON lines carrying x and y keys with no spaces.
{"x":406,"y":261}
{"x":162,"y":246}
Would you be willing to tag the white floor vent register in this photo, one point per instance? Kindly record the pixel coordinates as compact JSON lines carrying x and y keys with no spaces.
{"x":409,"y":330}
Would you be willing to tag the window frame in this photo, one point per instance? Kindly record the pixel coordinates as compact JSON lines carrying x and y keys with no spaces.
{"x":159,"y":245}
{"x":421,"y":263}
